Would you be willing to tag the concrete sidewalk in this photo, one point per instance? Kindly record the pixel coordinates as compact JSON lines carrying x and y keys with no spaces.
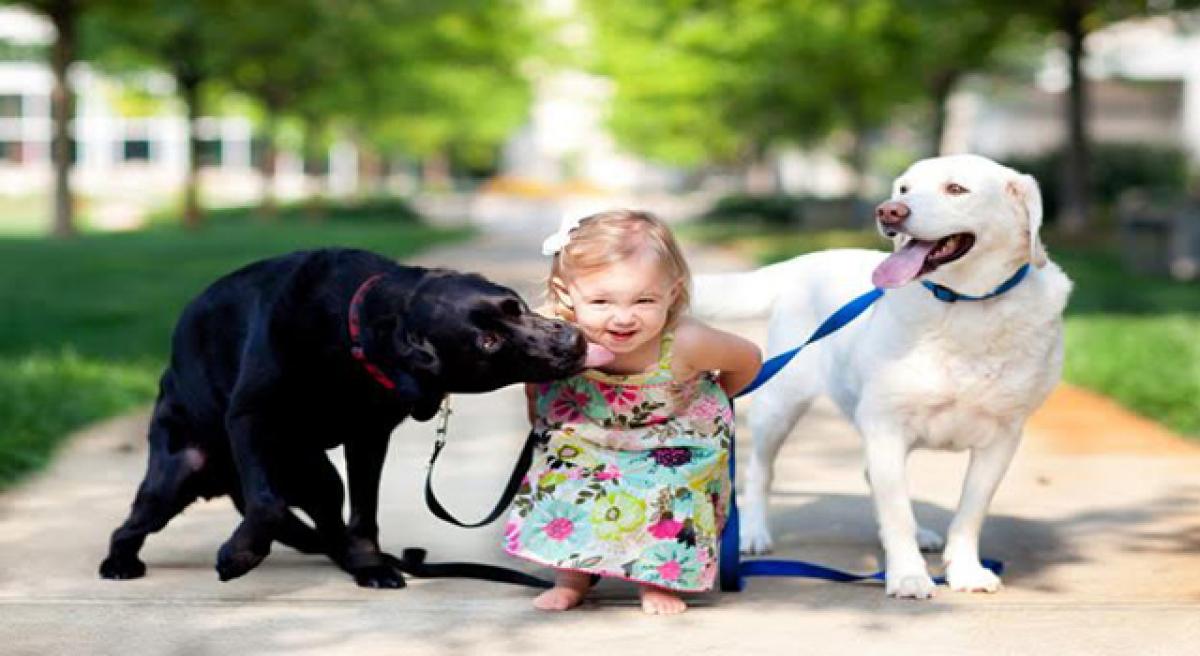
{"x":1102,"y":548}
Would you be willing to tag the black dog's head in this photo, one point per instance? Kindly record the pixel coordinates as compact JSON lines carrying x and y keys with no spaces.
{"x":462,"y":333}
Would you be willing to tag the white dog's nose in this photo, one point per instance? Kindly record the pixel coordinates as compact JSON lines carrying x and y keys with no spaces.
{"x":892,"y":212}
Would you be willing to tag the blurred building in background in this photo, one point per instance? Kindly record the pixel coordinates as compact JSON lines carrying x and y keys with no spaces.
{"x":1144,"y":87}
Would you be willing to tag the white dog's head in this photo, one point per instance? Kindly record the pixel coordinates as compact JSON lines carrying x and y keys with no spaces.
{"x":963,"y":221}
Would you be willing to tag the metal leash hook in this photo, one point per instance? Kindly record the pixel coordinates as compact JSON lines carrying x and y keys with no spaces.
{"x":443,"y":422}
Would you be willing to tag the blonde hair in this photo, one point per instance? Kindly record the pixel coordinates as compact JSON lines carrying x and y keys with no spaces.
{"x":606,"y":238}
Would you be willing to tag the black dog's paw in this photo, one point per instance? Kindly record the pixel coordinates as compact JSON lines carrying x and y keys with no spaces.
{"x":379,"y":577}
{"x":233,"y":562}
{"x":120,"y":569}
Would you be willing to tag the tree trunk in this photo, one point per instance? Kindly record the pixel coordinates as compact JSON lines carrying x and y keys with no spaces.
{"x":316,"y":172}
{"x":940,"y":88}
{"x":760,"y":175}
{"x":268,"y":208}
{"x":191,"y":187}
{"x":435,"y":172}
{"x":858,"y":160}
{"x":63,"y":14}
{"x":1075,"y":176}
{"x":370,"y":170}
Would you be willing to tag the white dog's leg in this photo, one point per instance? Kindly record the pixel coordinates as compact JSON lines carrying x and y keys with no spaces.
{"x":773,"y":418}
{"x":988,"y":464}
{"x":907,"y":576}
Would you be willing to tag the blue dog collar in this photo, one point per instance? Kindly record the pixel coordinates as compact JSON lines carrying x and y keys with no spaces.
{"x":947,"y":295}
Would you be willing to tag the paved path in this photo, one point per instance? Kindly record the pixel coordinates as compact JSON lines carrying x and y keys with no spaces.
{"x":1102,"y":541}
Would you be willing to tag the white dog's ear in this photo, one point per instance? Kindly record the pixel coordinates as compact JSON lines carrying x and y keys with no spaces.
{"x":1025,"y":190}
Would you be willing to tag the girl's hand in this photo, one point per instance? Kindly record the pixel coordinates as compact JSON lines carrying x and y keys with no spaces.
{"x":699,"y":347}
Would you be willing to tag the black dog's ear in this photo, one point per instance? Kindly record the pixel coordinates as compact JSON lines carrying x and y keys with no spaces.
{"x":416,"y":353}
{"x":417,"y":360}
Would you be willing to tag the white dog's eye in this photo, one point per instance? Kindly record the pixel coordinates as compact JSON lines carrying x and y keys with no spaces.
{"x":955,"y":189}
{"x":903,"y":189}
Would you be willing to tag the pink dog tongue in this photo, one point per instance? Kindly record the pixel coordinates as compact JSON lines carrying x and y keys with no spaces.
{"x":903,"y":265}
{"x":597,"y":356}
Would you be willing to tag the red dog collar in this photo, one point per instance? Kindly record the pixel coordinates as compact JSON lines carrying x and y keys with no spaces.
{"x":356,"y":345}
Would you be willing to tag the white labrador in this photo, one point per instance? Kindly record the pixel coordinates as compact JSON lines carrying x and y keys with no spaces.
{"x":913,"y":371}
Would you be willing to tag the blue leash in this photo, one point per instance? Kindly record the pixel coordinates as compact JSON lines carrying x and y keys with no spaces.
{"x":734,"y":570}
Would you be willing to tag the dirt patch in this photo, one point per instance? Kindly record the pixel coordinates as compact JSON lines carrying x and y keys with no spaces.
{"x":1076,"y":421}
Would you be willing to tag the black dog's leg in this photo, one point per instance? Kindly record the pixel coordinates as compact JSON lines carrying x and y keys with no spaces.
{"x":163,"y":493}
{"x":293,"y":532}
{"x":364,"y":463}
{"x":317,"y":490}
{"x":251,"y":436}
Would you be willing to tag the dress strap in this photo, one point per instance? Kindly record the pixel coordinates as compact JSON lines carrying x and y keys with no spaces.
{"x":665,"y":351}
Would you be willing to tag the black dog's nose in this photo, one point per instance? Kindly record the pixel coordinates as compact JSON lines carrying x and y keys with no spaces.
{"x":892,"y":212}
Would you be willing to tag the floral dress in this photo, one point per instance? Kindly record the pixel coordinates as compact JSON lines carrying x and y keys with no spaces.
{"x":632,"y":480}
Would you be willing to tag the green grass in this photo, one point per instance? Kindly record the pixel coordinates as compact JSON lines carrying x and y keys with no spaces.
{"x":24,"y":215}
{"x":1149,"y":363}
{"x":44,"y":397}
{"x":1133,"y":338}
{"x":85,"y":323}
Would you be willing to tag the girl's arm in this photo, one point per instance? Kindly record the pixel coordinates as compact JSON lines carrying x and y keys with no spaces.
{"x":699,"y":347}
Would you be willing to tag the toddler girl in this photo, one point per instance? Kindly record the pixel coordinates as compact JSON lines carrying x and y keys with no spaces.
{"x":633,"y":480}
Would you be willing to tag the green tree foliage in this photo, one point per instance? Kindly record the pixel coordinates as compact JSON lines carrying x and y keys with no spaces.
{"x":951,"y":39}
{"x":181,"y":37}
{"x":679,"y":69}
{"x":403,"y":76}
{"x":698,"y":80}
{"x":452,"y":84}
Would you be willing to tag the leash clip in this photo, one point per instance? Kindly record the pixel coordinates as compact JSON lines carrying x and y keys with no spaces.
{"x":443,"y":422}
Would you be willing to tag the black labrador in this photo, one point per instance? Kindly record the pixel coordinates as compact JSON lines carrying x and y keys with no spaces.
{"x":288,"y":357}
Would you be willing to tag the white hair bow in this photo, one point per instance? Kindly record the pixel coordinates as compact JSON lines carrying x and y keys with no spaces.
{"x":555,"y":242}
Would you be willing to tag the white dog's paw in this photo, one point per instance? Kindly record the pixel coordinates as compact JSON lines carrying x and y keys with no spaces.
{"x":755,"y":539}
{"x":910,"y":585}
{"x":971,"y":577}
{"x":929,"y":541}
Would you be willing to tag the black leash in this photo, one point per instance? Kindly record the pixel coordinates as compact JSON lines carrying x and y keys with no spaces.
{"x":413,"y":560}
{"x":510,"y":489}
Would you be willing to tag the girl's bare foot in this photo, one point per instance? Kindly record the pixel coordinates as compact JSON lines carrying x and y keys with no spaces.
{"x":657,"y":601}
{"x":568,"y":591}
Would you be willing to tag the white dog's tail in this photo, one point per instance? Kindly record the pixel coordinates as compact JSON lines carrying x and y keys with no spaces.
{"x":732,"y":296}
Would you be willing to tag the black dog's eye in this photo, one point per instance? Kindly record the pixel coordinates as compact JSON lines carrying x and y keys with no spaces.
{"x":489,"y":342}
{"x":955,"y":189}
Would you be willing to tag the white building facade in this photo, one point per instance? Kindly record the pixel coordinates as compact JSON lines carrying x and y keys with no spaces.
{"x":139,"y":155}
{"x":1144,"y":86}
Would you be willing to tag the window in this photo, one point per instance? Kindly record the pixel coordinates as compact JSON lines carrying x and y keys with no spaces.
{"x":208,"y":152}
{"x":135,"y":150}
{"x":10,"y":105}
{"x":10,"y":152}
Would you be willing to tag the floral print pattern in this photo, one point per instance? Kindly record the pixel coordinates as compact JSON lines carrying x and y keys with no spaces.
{"x":632,"y":479}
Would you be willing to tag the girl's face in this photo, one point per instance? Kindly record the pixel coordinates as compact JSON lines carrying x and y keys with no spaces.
{"x":623,"y":307}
